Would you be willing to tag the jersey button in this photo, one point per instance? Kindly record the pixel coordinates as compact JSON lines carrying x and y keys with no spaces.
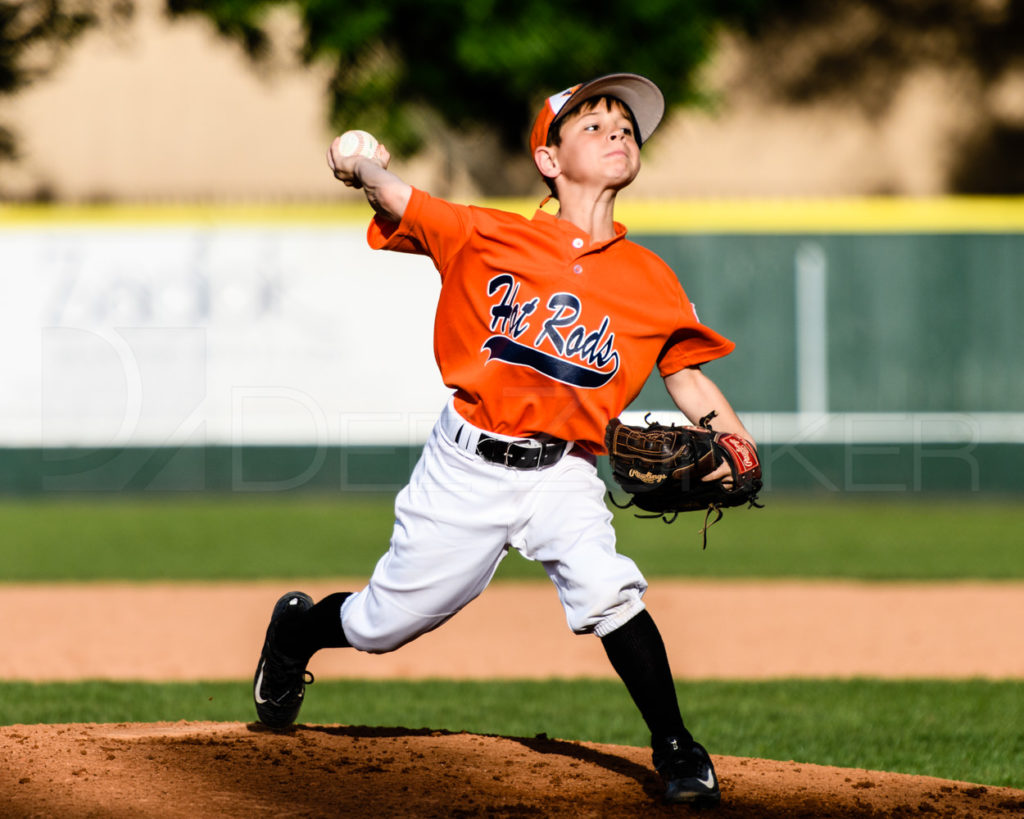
{"x":577,"y":243}
{"x":577,"y":268}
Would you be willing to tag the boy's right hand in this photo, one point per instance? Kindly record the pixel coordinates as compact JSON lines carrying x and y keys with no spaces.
{"x":346,"y":168}
{"x":386,"y":193}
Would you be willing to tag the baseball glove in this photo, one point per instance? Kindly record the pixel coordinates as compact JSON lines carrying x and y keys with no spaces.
{"x":661,"y":468}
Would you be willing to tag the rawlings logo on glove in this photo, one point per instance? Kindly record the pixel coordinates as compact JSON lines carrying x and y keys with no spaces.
{"x":661,"y":468}
{"x":647,"y":477}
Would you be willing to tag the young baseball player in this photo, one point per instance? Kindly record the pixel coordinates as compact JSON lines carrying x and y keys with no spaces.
{"x":546,"y":328}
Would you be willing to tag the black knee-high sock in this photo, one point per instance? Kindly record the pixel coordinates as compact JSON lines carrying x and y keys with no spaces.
{"x":306,"y":633}
{"x":637,"y":653}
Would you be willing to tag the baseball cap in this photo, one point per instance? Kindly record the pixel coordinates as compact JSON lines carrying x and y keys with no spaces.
{"x":641,"y":95}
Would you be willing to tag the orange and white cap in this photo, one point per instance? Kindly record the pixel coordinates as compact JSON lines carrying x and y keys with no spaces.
{"x":641,"y":95}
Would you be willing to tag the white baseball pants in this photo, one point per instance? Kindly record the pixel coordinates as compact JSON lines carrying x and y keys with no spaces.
{"x":455,"y":522}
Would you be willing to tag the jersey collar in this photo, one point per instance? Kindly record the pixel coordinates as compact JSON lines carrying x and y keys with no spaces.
{"x":572,"y":232}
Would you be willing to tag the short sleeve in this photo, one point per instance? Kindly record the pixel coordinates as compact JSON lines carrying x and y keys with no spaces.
{"x":430,"y":227}
{"x":692,"y":343}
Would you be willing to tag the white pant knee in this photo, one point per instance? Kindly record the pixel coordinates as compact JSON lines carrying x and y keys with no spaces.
{"x":368,"y":629}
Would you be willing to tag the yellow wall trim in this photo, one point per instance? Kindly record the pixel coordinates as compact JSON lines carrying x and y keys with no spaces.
{"x":840,"y":215}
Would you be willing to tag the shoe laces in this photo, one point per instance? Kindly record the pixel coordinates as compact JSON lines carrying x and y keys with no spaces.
{"x":284,"y":677}
{"x":677,"y":762}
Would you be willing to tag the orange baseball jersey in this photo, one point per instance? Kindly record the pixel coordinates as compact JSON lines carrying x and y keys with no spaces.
{"x":539,"y":331}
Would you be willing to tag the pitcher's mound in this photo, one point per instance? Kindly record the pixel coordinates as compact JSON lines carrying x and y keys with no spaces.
{"x":233,"y":770}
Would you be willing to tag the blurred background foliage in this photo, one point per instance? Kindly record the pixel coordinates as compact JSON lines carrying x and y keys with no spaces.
{"x":481,"y":63}
{"x":403,"y":68}
{"x":34,"y":35}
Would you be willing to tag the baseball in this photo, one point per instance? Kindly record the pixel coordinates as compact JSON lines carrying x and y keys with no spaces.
{"x":357,"y":143}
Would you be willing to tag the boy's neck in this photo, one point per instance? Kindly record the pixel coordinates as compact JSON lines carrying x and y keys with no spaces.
{"x":592,"y":213}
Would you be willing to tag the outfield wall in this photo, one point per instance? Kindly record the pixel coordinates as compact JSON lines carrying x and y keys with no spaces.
{"x":248,"y":349}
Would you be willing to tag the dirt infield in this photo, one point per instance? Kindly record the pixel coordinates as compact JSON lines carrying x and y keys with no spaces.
{"x":211,"y":770}
{"x":712,"y":629}
{"x":231,"y":770}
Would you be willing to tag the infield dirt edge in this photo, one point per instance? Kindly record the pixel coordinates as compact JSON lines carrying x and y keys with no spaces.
{"x":241,"y":770}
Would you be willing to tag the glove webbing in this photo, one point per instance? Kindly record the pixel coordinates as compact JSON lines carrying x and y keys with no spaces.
{"x":705,"y":422}
{"x":714,"y":507}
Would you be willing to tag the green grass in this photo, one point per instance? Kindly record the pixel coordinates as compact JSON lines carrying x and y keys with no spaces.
{"x":239,"y":537}
{"x":965,"y":730}
{"x":968,"y":730}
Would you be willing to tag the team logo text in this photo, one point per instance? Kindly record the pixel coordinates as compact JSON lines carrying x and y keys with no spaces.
{"x":554,"y":341}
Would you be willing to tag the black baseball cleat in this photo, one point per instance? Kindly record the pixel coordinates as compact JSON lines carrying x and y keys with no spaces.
{"x":281,"y":680}
{"x":688,"y":773}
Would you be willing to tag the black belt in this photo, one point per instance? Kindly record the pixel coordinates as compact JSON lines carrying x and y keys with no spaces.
{"x":524,"y":453}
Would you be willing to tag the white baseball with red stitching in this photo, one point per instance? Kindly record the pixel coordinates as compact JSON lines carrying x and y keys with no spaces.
{"x":357,"y":143}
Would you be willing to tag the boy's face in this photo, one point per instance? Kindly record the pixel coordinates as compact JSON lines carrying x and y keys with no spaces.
{"x":598,"y":145}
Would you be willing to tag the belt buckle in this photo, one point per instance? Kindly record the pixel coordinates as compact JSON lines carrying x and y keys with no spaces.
{"x":526,"y":443}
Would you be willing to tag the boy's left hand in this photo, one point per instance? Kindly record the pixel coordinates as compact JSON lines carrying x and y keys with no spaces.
{"x":723,"y":473}
{"x":659,"y":467}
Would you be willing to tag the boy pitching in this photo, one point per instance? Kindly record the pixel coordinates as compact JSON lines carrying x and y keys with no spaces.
{"x":546,"y":328}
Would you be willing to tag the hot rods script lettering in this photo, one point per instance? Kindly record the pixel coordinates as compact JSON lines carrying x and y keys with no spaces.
{"x":552,"y":341}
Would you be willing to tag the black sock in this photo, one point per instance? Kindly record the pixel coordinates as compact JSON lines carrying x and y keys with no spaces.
{"x":637,"y":653}
{"x":306,"y":633}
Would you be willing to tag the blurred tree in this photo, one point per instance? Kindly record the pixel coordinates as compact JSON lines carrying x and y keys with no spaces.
{"x":861,"y":52}
{"x":403,"y":67}
{"x":480,"y":62}
{"x":33,"y":36}
{"x":479,"y":65}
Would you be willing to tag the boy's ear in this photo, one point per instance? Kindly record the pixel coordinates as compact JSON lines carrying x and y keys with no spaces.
{"x":546,"y":161}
